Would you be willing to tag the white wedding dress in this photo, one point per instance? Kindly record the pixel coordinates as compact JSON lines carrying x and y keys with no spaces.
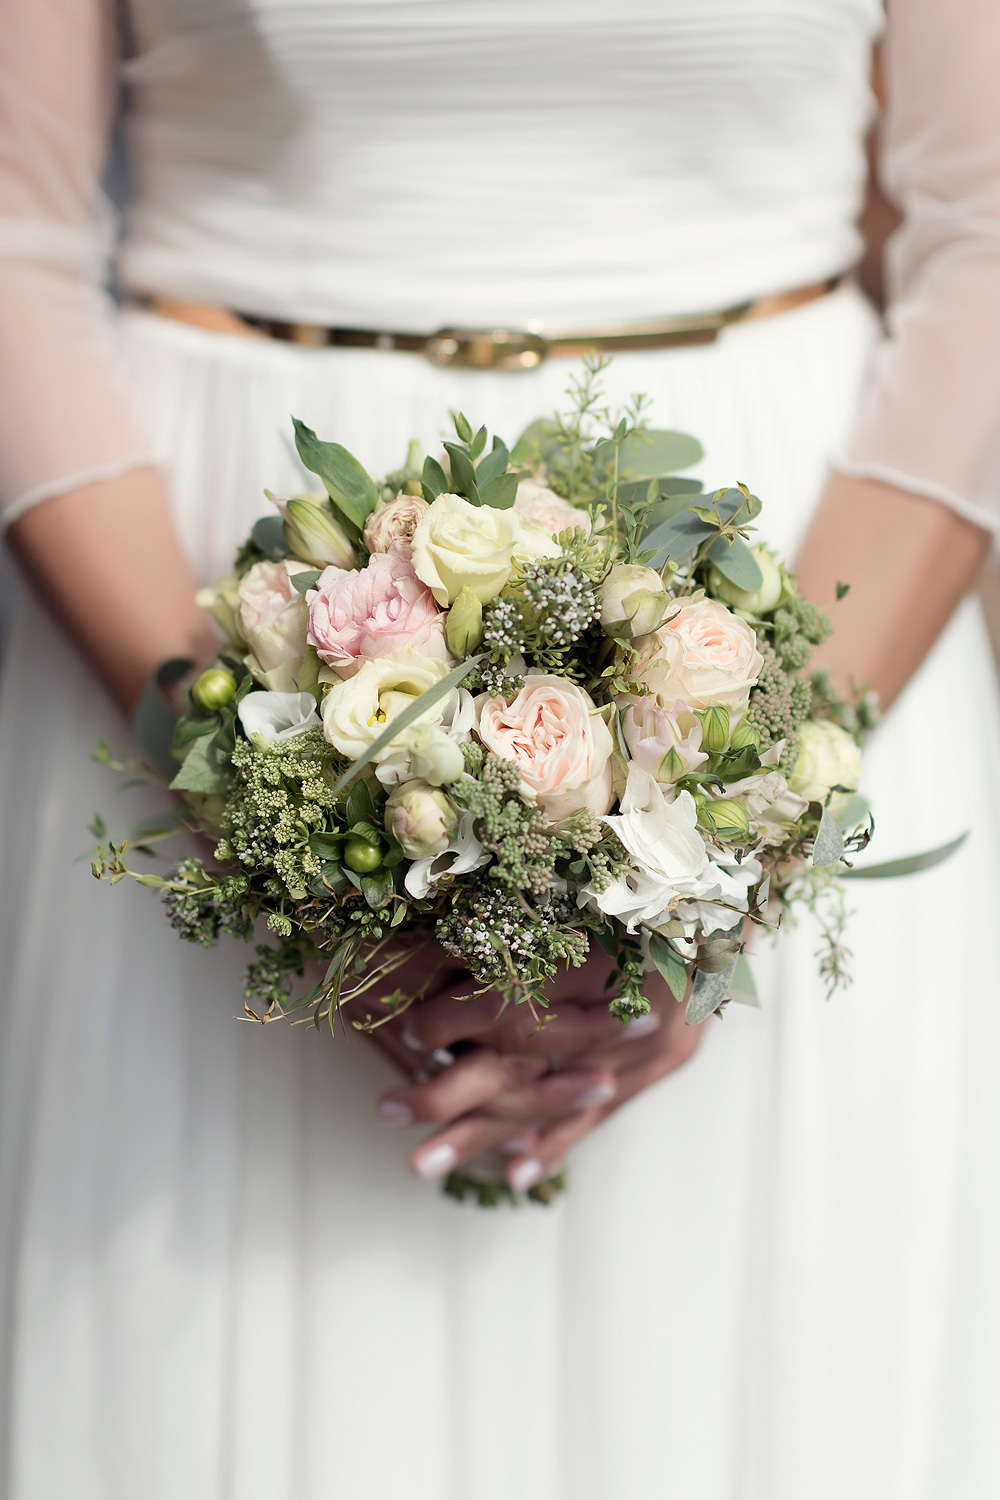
{"x":777,"y":1274}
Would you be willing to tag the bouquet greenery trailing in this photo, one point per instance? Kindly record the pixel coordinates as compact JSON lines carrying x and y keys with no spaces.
{"x":514,"y":701}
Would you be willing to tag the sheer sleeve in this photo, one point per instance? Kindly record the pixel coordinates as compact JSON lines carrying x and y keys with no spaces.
{"x":930,"y":423}
{"x":65,"y":418}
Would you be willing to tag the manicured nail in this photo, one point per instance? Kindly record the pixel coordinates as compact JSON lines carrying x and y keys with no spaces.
{"x":514,"y":1145}
{"x":396,"y":1113}
{"x":437,"y":1161}
{"x":642,"y":1026}
{"x":411,"y":1036}
{"x":599,"y":1093}
{"x":526,"y":1175}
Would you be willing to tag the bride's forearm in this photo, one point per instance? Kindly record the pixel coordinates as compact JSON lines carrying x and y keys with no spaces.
{"x":908,"y":561}
{"x":106,"y":560}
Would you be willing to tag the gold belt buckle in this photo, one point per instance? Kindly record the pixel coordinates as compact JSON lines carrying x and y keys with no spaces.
{"x":486,"y":349}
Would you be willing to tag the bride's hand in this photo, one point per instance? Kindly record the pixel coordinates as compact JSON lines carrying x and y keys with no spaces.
{"x":531,"y":1091}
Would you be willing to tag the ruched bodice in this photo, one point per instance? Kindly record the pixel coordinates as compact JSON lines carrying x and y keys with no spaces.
{"x":412,"y":163}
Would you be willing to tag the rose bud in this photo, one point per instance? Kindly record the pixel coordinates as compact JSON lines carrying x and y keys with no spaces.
{"x":434,"y":756}
{"x":714,"y":728}
{"x":222,"y":601}
{"x":633,"y":595}
{"x":213,"y":689}
{"x":463,"y":629}
{"x":313,"y":534}
{"x":394,"y":521}
{"x":421,"y":819}
{"x":756,"y":601}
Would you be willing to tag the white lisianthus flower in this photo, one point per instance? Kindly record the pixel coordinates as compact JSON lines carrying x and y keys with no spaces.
{"x":463,"y":855}
{"x":356,"y":711}
{"x":828,"y":757}
{"x":270,"y":717}
{"x":457,"y":544}
{"x":670,"y":862}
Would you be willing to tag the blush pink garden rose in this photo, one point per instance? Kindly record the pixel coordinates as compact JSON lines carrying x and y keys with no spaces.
{"x":372,"y":611}
{"x":562,"y":747}
{"x":394,"y":521}
{"x":549,"y":510}
{"x":701,"y":655}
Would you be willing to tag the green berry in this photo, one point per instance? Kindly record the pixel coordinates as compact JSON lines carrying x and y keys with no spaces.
{"x":360,"y":857}
{"x":213,"y":689}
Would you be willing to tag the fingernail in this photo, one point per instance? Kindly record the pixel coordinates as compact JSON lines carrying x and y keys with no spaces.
{"x":396,"y":1113}
{"x":437,"y":1161}
{"x":599,"y":1093}
{"x":514,"y":1145}
{"x":411,"y":1036}
{"x":642,"y":1025}
{"x":526,"y":1175}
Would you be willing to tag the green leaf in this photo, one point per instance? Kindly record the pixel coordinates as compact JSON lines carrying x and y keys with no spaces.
{"x":842,"y":590}
{"x":670,"y":964}
{"x":306,"y":580}
{"x":408,"y":716}
{"x":708,"y":993}
{"x":101,"y":753}
{"x":744,"y":988}
{"x":538,"y":440}
{"x":478,"y":444}
{"x":348,"y":483}
{"x":367,"y":834}
{"x":376,"y":888}
{"x":269,"y":535}
{"x":205,"y":769}
{"x":828,"y":846}
{"x":462,"y":426}
{"x":463,"y":475}
{"x":494,"y":464}
{"x":648,"y":453}
{"x":735,"y":561}
{"x":434,"y":479}
{"x":360,"y":803}
{"x":910,"y":864}
{"x":676,"y":537}
{"x":499,"y":493}
{"x":326,"y":845}
{"x":733,"y":765}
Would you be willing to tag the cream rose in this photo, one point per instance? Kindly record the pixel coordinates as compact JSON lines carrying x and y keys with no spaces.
{"x":533,"y":542}
{"x":356,"y":712}
{"x":702,"y":655}
{"x":828,"y":757}
{"x":548,"y":510}
{"x":562,"y":747}
{"x":274,"y":618}
{"x":458,"y":543}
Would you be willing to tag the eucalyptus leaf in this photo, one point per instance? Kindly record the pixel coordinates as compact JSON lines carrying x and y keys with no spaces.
{"x":708,"y":992}
{"x":347,"y":482}
{"x":306,"y":580}
{"x":269,"y":535}
{"x":463,"y":475}
{"x":828,"y":847}
{"x":735,"y":561}
{"x":670,"y":964}
{"x":408,"y":716}
{"x":649,"y":453}
{"x":538,"y":440}
{"x":744,"y":988}
{"x":675,"y":538}
{"x":910,"y":864}
{"x":499,"y":493}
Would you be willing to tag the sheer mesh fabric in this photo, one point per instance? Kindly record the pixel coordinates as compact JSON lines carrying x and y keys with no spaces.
{"x":931,"y":420}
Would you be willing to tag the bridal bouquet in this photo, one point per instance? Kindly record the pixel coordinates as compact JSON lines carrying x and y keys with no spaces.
{"x":516,"y":701}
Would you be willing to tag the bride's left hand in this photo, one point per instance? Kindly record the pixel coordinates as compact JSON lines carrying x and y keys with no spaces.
{"x":533,"y":1092}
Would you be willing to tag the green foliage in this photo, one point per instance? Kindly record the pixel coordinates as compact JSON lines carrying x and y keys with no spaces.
{"x":347,"y":482}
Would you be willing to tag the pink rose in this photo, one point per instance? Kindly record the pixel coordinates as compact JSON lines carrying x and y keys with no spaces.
{"x":702,"y":654}
{"x":561,"y":745}
{"x":549,"y":510}
{"x":665,"y":742}
{"x":394,"y":521}
{"x":372,"y":611}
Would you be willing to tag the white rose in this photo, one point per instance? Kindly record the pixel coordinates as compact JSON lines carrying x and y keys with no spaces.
{"x":269,"y":717}
{"x":458,"y":543}
{"x":274,"y":618}
{"x":356,"y":711}
{"x":634,"y":594}
{"x":702,"y":655}
{"x":670,"y":864}
{"x":547,"y":509}
{"x":828,"y":757}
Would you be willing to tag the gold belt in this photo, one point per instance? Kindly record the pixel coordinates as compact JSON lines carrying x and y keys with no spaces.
{"x":494,"y":348}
